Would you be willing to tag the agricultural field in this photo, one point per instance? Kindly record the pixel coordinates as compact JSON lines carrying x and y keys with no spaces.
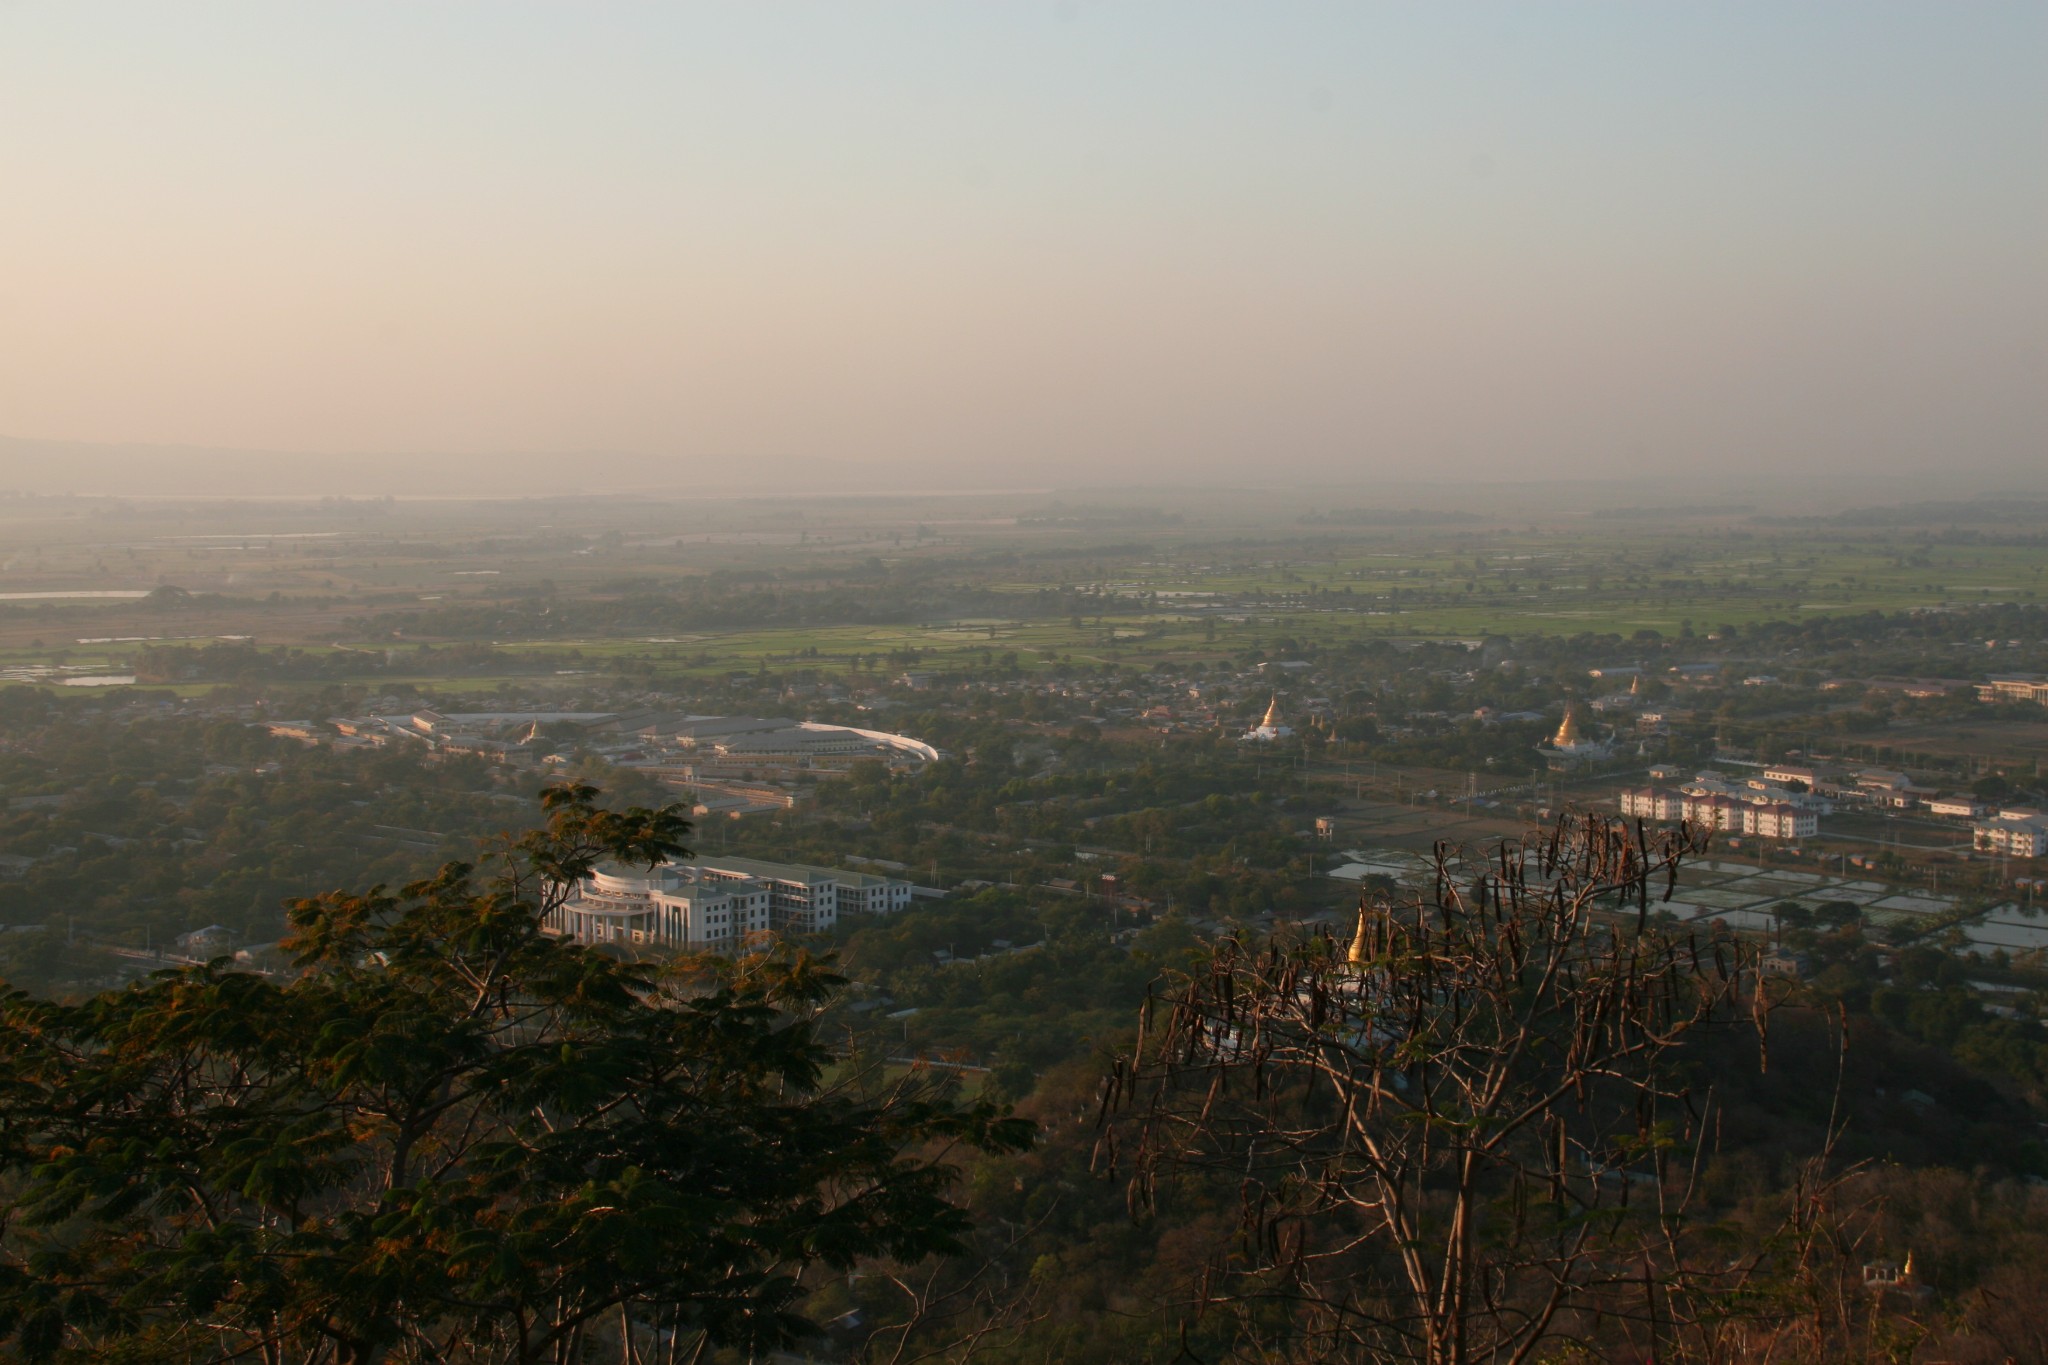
{"x":681,"y":590}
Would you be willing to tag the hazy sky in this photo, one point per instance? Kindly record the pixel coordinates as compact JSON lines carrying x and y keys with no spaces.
{"x":1025,"y":242}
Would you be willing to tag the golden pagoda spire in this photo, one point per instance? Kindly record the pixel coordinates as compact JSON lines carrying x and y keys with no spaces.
{"x":1361,"y":949}
{"x":1272,"y":712}
{"x":1568,"y":734}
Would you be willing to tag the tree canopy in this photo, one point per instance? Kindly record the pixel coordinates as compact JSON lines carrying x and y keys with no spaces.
{"x":447,"y":1136}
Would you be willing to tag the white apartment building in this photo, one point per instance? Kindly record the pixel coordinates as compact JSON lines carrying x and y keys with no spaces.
{"x":1652,"y":803}
{"x":1714,"y":811}
{"x":2014,"y":838}
{"x":1779,"y":821}
{"x":1755,"y":814}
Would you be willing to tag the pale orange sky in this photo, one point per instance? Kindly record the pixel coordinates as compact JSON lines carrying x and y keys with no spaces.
{"x":1024,"y":243}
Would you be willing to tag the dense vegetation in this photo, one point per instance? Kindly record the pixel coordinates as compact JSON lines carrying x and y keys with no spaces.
{"x":450,"y":1138}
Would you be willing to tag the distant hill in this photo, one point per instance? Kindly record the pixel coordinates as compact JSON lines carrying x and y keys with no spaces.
{"x":1985,"y":511}
{"x":1672,"y":513}
{"x":1389,"y":516}
{"x":92,"y":469}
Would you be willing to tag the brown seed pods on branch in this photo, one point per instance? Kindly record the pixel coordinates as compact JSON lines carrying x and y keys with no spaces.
{"x":1451,"y":1142}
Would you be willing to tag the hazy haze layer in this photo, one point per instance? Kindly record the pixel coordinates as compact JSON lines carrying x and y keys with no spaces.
{"x":1018,"y":245}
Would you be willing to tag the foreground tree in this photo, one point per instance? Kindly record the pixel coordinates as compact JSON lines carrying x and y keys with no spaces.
{"x":452,"y":1138}
{"x":1465,"y":1136}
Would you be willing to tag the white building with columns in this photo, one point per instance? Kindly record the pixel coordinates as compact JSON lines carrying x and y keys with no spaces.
{"x":669,"y":906}
{"x":715,"y":904}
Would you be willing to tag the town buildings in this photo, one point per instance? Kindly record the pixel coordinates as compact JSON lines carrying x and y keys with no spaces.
{"x":1892,"y":790}
{"x":1759,"y":808}
{"x":715,"y":904}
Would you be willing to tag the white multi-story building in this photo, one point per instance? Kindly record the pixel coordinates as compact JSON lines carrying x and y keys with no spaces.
{"x":2014,"y":838}
{"x":1713,"y":811}
{"x":2017,"y":687}
{"x":669,"y":906}
{"x":714,"y":904}
{"x":1652,"y":803}
{"x":801,"y":900}
{"x":1778,"y":820}
{"x":871,"y":895}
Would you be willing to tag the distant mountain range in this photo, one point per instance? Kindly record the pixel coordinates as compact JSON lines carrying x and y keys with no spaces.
{"x":1985,"y":511}
{"x":1381,"y":489}
{"x":91,"y":469}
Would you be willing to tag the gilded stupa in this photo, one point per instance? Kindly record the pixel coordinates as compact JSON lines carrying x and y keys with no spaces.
{"x":1269,"y":729}
{"x":1571,"y":744}
{"x":1568,"y":736}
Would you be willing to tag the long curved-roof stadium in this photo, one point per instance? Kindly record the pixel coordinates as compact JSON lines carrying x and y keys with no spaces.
{"x":706,"y":745}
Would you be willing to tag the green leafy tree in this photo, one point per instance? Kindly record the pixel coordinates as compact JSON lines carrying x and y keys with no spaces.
{"x":450,"y":1137}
